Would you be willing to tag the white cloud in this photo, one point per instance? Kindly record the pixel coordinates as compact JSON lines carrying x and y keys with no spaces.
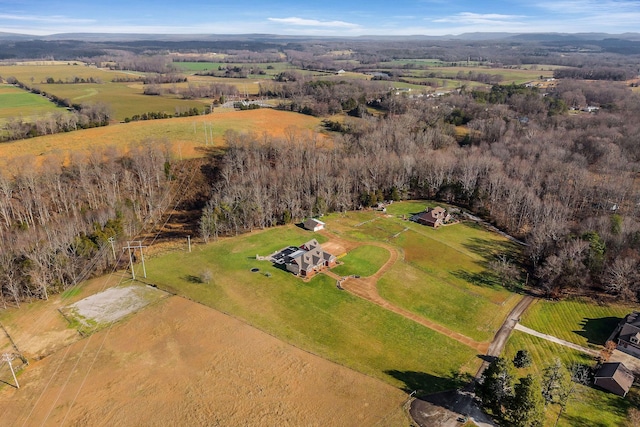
{"x":479,"y":18}
{"x":590,"y":7}
{"x":314,"y":23}
{"x":48,"y":19}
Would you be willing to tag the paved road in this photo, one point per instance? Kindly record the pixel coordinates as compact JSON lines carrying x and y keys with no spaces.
{"x":444,"y":409}
{"x":500,"y":339}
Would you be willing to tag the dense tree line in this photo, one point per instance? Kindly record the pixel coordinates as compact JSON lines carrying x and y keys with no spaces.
{"x":55,"y":219}
{"x":599,"y":73}
{"x":156,"y":115}
{"x":325,"y":97}
{"x":87,"y":116}
{"x":564,"y":183}
{"x":213,"y":90}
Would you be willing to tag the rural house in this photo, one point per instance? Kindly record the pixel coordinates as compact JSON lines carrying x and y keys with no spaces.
{"x":614,"y":377}
{"x":629,"y":337}
{"x":313,"y":224}
{"x":309,"y":259}
{"x":433,"y":217}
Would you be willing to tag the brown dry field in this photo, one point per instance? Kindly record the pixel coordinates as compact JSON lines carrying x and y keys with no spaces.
{"x":180,"y":363}
{"x":185,"y":135}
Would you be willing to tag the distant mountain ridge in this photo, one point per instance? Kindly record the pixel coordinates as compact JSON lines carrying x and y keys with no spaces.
{"x":477,"y":36}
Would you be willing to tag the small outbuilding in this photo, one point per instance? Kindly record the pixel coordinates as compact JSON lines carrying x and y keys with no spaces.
{"x":614,"y":377}
{"x":313,"y":224}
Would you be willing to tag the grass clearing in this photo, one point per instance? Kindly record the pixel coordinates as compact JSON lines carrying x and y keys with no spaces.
{"x":313,"y":315}
{"x":588,"y":406}
{"x":363,"y":261}
{"x":442,"y":274}
{"x":15,"y":102}
{"x":186,"y":134}
{"x":580,"y":322}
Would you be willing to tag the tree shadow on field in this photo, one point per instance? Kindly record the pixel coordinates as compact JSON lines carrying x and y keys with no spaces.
{"x":577,"y":420}
{"x":596,"y":331}
{"x":485,"y":278}
{"x":423,"y":383}
{"x":488,"y":249}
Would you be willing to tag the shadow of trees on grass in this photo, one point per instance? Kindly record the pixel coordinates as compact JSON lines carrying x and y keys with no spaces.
{"x":596,"y":331}
{"x":424,"y":383}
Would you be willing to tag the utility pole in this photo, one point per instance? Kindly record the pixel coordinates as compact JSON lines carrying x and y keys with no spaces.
{"x":113,"y":249}
{"x":131,"y":247}
{"x":8,"y":357}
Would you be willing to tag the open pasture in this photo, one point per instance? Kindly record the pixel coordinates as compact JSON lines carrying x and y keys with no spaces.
{"x":15,"y":102}
{"x":37,"y":75}
{"x":313,"y":315}
{"x":509,"y":75}
{"x":270,"y":68}
{"x":588,"y":405}
{"x":185,"y":135}
{"x":445,"y":278}
{"x":443,"y":275}
{"x":124,"y":99}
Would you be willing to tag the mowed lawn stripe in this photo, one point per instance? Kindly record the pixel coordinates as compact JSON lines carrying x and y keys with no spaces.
{"x":580,"y":322}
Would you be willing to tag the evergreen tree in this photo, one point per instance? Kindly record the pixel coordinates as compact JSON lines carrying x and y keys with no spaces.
{"x":496,"y":385}
{"x":522,"y":359}
{"x":526,"y":407}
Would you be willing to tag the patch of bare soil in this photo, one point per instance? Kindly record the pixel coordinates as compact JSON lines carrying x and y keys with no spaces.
{"x":180,"y":363}
{"x":113,"y":304}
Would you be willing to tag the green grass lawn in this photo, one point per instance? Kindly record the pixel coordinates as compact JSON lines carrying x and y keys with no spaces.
{"x":581,"y":322}
{"x":16,"y":102}
{"x":442,"y":274}
{"x":588,"y":406}
{"x":363,"y":261}
{"x":270,"y":68}
{"x":313,"y":315}
{"x":445,"y":302}
{"x":125,"y":99}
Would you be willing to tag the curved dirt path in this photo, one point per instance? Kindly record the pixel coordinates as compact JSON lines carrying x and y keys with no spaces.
{"x":365,"y":288}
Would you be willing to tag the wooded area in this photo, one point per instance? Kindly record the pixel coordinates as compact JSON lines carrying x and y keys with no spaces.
{"x":55,"y":220}
{"x":563,"y":183}
{"x":553,"y":163}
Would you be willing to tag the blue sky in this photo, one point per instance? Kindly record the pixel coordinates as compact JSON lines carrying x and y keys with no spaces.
{"x":326,"y":17}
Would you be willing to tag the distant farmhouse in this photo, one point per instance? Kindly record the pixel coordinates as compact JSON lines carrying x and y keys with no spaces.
{"x":309,"y":259}
{"x":433,"y":217}
{"x":614,"y":377}
{"x":313,"y":224}
{"x":629,"y":337}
